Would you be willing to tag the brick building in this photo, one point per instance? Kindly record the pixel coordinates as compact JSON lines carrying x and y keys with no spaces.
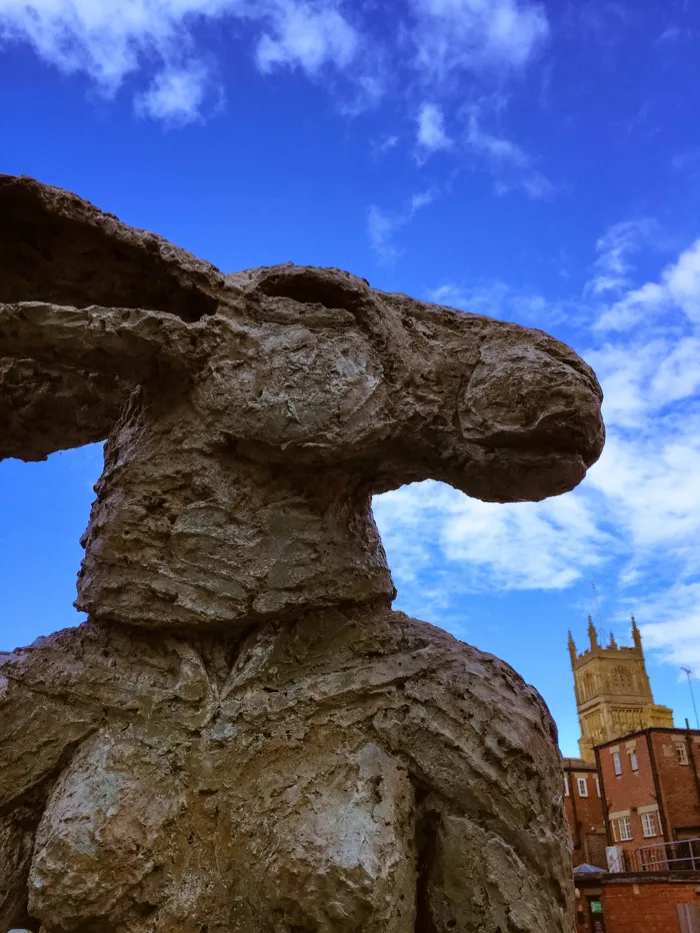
{"x":650,"y":784}
{"x":616,"y":903}
{"x":584,"y":811}
{"x":632,"y":800}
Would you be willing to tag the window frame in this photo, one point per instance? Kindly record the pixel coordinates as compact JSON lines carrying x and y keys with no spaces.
{"x":627,"y":823}
{"x":567,"y":791}
{"x":649,"y":821}
{"x":682,"y":753}
{"x":597,"y":785}
{"x":617,"y":764}
{"x":582,"y":782}
{"x":634,"y":761}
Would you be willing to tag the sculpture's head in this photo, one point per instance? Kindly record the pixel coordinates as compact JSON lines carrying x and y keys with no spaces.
{"x":275,"y":402}
{"x":304,"y":366}
{"x":399,"y":390}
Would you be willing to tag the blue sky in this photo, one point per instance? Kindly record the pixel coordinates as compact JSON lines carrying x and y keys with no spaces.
{"x":535,"y":161}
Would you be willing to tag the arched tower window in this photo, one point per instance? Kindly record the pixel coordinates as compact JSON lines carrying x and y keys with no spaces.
{"x":621,"y":680}
{"x":588,"y":686}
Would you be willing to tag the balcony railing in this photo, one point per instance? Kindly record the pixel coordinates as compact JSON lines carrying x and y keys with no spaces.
{"x":682,"y":855}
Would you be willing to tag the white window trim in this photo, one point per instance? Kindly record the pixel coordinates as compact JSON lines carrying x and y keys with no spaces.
{"x":649,"y":822}
{"x":682,"y":753}
{"x":624,"y":825}
{"x":582,"y":787}
{"x":597,"y":785}
{"x":613,"y":827}
{"x":567,"y":792}
{"x":617,"y":763}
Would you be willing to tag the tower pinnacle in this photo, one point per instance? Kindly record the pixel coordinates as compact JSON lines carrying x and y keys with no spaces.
{"x":636,"y":634}
{"x":592,"y":634}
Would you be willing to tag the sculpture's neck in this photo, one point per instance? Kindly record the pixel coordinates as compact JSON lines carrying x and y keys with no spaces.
{"x":183,"y":534}
{"x":309,"y":541}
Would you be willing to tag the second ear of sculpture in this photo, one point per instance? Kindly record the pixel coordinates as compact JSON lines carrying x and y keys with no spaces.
{"x":246,"y":737}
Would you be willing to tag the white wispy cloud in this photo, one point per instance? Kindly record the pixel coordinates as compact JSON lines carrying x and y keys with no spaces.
{"x":385,"y":144}
{"x":613,"y":268}
{"x":108,"y":40}
{"x":158,"y":46}
{"x":431,"y":135}
{"x":176,"y":96}
{"x":476,"y":35}
{"x":510,"y":166}
{"x":636,"y":516}
{"x":307,"y":37}
{"x":678,"y":288}
{"x":675,"y":631}
{"x":496,"y":299}
{"x":382,"y":225}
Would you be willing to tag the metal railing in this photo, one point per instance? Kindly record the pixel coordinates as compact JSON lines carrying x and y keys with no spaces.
{"x":681,"y":855}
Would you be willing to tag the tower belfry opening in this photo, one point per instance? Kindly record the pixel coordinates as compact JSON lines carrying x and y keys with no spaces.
{"x":613,"y":693}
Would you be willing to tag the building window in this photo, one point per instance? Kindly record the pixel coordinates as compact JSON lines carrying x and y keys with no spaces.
{"x":617,"y":763}
{"x":613,"y":827}
{"x":566,"y":785}
{"x":648,"y":824}
{"x":633,"y":761}
{"x":622,"y":681}
{"x":682,"y":752}
{"x":582,"y":787}
{"x":597,"y":785}
{"x":624,"y":828}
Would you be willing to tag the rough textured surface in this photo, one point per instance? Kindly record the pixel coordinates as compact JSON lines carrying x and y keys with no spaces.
{"x":348,"y":771}
{"x":244,"y":736}
{"x":238,"y":479}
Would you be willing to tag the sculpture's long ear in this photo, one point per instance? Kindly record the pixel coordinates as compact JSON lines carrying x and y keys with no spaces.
{"x":55,"y":247}
{"x":45,"y":409}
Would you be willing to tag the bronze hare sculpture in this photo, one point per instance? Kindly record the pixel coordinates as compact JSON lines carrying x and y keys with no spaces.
{"x":244,"y":737}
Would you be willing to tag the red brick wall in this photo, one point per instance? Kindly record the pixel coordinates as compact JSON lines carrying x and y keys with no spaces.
{"x":631,"y":788}
{"x":586,"y":821}
{"x":679,"y":789}
{"x":645,"y":908}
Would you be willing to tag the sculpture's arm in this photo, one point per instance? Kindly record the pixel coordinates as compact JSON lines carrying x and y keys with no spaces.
{"x":38,"y":734}
{"x":118,"y":342}
{"x":481,"y":746}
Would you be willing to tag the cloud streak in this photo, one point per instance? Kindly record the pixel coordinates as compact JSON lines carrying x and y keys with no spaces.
{"x":511,"y":167}
{"x":473,"y":35}
{"x":382,"y":225}
{"x":431,"y":135}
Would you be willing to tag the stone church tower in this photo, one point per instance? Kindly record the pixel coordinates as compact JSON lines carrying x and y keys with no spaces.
{"x":613,"y":694}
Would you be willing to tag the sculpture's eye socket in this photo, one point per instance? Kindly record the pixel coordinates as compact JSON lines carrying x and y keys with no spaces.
{"x":328,"y":287}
